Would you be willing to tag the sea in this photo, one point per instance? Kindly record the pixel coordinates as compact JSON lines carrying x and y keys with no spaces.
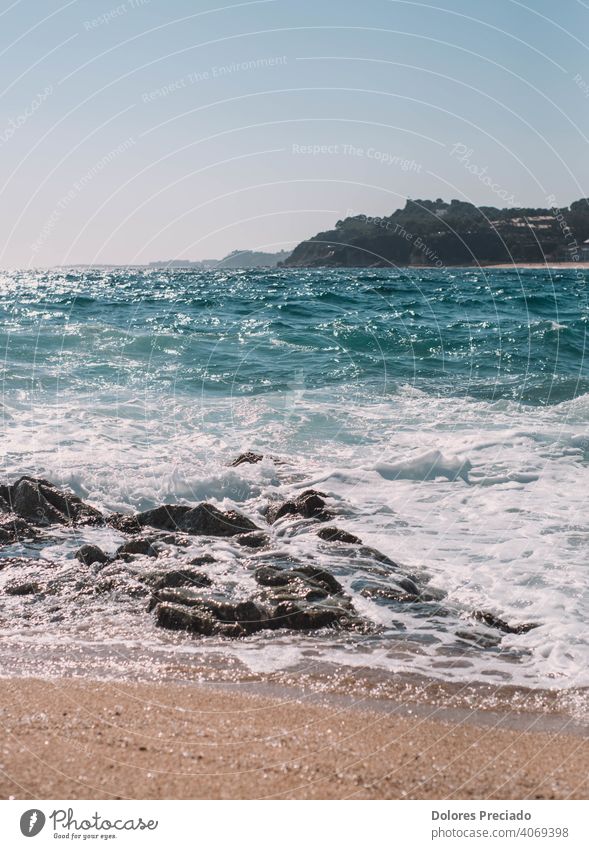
{"x":444,"y":412}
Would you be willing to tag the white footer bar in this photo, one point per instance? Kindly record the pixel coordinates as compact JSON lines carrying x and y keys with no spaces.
{"x":292,"y":824}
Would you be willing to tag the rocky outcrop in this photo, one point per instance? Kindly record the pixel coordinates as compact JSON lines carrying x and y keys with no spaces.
{"x":500,"y":624}
{"x":403,"y":590}
{"x":14,"y":529}
{"x":284,"y":592}
{"x":41,"y":503}
{"x":302,"y":598}
{"x":310,"y":504}
{"x":22,"y":588}
{"x":180,"y":578}
{"x":337,"y":535}
{"x":247,"y":457}
{"x":124,"y":522}
{"x":89,"y":554}
{"x":202,"y":520}
{"x":255,"y":539}
{"x":137,"y":545}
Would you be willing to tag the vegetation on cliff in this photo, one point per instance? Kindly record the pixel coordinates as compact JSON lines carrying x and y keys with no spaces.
{"x":435,"y":233}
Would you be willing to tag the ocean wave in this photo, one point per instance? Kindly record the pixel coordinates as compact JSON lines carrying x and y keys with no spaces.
{"x":390,"y":394}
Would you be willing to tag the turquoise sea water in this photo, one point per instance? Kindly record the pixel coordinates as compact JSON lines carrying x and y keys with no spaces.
{"x":488,"y":334}
{"x":136,"y":387}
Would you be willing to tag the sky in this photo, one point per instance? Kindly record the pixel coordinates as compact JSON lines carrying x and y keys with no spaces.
{"x":148,"y":130}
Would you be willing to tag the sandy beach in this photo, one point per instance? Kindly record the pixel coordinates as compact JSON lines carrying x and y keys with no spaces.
{"x":80,"y":739}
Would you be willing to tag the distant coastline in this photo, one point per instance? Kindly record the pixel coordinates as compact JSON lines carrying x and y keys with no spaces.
{"x":437,"y":234}
{"x":432,"y":234}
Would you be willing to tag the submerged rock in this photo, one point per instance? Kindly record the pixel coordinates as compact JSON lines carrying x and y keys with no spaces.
{"x":204,"y":519}
{"x":208,"y":520}
{"x":404,"y":590}
{"x":180,"y":578}
{"x":255,"y":539}
{"x":337,"y":535}
{"x":14,"y":529}
{"x":178,"y":617}
{"x":301,"y":598}
{"x":309,"y":504}
{"x":378,"y":556}
{"x":139,"y":545}
{"x":495,"y":622}
{"x":320,"y":576}
{"x":291,"y":614}
{"x":124,"y":523}
{"x":168,"y":517}
{"x":22,"y":588}
{"x":41,"y":503}
{"x":179,"y":540}
{"x":247,"y":457}
{"x":89,"y":554}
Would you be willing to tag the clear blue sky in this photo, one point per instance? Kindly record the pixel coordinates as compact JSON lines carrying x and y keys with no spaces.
{"x":155,"y":130}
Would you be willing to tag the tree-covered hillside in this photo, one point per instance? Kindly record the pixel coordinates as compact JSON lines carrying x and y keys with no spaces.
{"x":436,"y":233}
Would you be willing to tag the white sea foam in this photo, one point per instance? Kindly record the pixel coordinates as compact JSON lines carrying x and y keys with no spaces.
{"x":395,"y":471}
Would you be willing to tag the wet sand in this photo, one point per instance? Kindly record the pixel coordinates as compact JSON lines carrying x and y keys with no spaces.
{"x":79,"y":739}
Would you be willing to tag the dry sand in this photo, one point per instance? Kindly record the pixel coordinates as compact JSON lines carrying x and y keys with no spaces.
{"x":75,"y":739}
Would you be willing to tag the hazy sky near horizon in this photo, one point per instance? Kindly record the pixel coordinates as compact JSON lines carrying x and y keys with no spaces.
{"x":146,"y":130}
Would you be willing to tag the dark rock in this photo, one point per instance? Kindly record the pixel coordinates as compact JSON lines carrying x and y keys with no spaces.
{"x":277,"y":511}
{"x":267,"y":576}
{"x":207,"y":520}
{"x":231,"y":629}
{"x":306,"y":597}
{"x":495,"y":622}
{"x":405,"y":591}
{"x":337,"y":535}
{"x":182,"y":578}
{"x":204,"y":519}
{"x":174,"y":539}
{"x":255,"y":539}
{"x":247,"y":457}
{"x":250,"y":613}
{"x":309,"y":504}
{"x":177,"y":617}
{"x":300,"y":580}
{"x":206,"y":616}
{"x":88,"y":554}
{"x":168,"y":517}
{"x":41,"y":503}
{"x":124,"y":522}
{"x":14,"y":529}
{"x":483,"y":641}
{"x":22,"y":588}
{"x":140,"y":545}
{"x":374,"y":554}
{"x":320,"y":576}
{"x":186,"y":595}
{"x":29,"y":501}
{"x":289,"y":614}
{"x":202,"y":559}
